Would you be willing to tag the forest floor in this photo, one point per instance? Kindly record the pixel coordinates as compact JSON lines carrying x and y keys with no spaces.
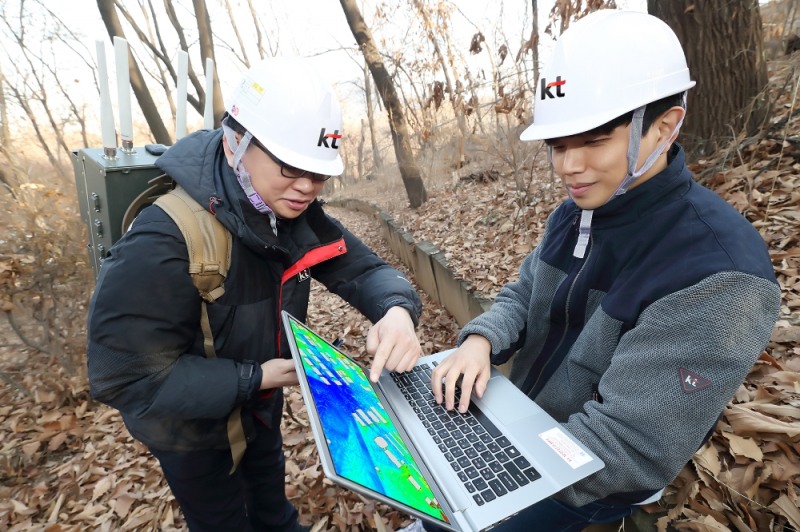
{"x":67,"y":463}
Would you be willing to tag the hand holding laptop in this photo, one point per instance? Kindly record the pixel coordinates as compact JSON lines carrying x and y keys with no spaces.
{"x":470,"y":362}
{"x":393,"y":343}
{"x":277,"y":373}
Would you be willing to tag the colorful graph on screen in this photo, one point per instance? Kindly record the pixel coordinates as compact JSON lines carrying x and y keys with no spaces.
{"x":363,"y":442}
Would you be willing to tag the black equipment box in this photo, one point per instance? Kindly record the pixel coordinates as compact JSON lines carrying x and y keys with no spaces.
{"x":112,"y":191}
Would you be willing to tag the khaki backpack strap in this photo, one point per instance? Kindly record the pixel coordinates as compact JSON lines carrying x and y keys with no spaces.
{"x":209,"y":246}
{"x":208,"y":242}
{"x":208,"y":335}
{"x":236,"y":437}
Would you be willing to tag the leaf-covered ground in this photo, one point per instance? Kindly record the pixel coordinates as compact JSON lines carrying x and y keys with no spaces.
{"x":68,"y":464}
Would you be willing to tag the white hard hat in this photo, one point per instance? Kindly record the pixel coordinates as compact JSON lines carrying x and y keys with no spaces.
{"x":285,"y":104}
{"x":603,"y":66}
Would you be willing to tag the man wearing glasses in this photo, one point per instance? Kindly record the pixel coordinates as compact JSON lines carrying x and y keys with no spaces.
{"x":260,"y":175}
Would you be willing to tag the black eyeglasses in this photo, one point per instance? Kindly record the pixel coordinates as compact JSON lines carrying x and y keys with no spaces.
{"x":288,"y":170}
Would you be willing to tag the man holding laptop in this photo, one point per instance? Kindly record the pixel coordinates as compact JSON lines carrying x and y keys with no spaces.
{"x":212,"y":419}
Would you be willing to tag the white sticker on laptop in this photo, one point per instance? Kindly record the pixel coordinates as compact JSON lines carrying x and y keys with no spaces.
{"x":564,"y":447}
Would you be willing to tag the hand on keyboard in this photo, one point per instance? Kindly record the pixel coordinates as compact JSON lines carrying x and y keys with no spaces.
{"x":393,"y":343}
{"x":486,"y":462}
{"x":469,"y":364}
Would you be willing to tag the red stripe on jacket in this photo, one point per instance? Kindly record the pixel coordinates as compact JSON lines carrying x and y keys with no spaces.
{"x":312,"y":258}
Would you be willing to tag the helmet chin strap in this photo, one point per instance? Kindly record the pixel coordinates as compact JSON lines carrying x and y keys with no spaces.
{"x":634,"y":146}
{"x":243,"y":176}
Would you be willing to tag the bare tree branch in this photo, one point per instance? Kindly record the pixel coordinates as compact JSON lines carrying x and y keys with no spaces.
{"x":23,"y":100}
{"x":165,"y":69}
{"x":273,"y":50}
{"x":21,"y":334}
{"x":238,"y":34}
{"x":160,"y":54}
{"x":207,"y":51}
{"x":39,"y":93}
{"x":184,"y":45}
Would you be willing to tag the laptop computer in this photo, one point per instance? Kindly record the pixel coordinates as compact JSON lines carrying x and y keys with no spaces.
{"x":391,"y":442}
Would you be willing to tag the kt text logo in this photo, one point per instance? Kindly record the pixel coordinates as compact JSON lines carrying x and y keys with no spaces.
{"x":325,"y":137}
{"x":558,"y":84}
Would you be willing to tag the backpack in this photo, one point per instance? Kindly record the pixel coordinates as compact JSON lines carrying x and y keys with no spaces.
{"x":209,"y":247}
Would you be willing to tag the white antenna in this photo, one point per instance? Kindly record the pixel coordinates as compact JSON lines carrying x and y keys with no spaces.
{"x":106,"y":114}
{"x":180,"y":103}
{"x":208,"y":111}
{"x":124,"y":94}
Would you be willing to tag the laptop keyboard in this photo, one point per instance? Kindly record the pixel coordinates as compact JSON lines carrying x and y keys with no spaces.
{"x":485,"y":461}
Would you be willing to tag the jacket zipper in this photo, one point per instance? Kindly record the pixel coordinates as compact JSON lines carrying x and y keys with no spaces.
{"x":566,"y":315}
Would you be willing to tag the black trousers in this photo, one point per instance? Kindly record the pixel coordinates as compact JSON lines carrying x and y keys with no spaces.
{"x":253,"y":498}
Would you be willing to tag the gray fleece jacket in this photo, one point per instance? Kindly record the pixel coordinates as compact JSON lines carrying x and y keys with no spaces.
{"x":639,"y":346}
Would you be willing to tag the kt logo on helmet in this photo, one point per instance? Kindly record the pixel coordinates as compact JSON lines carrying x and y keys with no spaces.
{"x":558,"y":83}
{"x":323,"y":139}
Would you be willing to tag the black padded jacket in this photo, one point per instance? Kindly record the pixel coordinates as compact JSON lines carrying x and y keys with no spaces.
{"x":145,"y":344}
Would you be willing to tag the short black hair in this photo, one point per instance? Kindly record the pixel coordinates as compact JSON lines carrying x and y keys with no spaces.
{"x":651,"y":112}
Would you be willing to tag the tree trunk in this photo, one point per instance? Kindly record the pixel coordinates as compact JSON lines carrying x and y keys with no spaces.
{"x":535,"y":44}
{"x":4,"y":135}
{"x":722,"y":40}
{"x":143,"y":96}
{"x":207,"y":51}
{"x":361,"y":142}
{"x":377,"y":163}
{"x":409,"y":170}
{"x":788,"y":22}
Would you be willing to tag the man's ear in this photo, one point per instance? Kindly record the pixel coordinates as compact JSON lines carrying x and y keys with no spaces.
{"x":668,"y":122}
{"x":227,"y":149}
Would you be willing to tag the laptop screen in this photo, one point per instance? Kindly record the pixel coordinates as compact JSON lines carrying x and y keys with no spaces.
{"x":362,"y":440}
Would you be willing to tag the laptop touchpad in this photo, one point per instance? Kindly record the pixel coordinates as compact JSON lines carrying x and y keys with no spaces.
{"x":500,"y":395}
